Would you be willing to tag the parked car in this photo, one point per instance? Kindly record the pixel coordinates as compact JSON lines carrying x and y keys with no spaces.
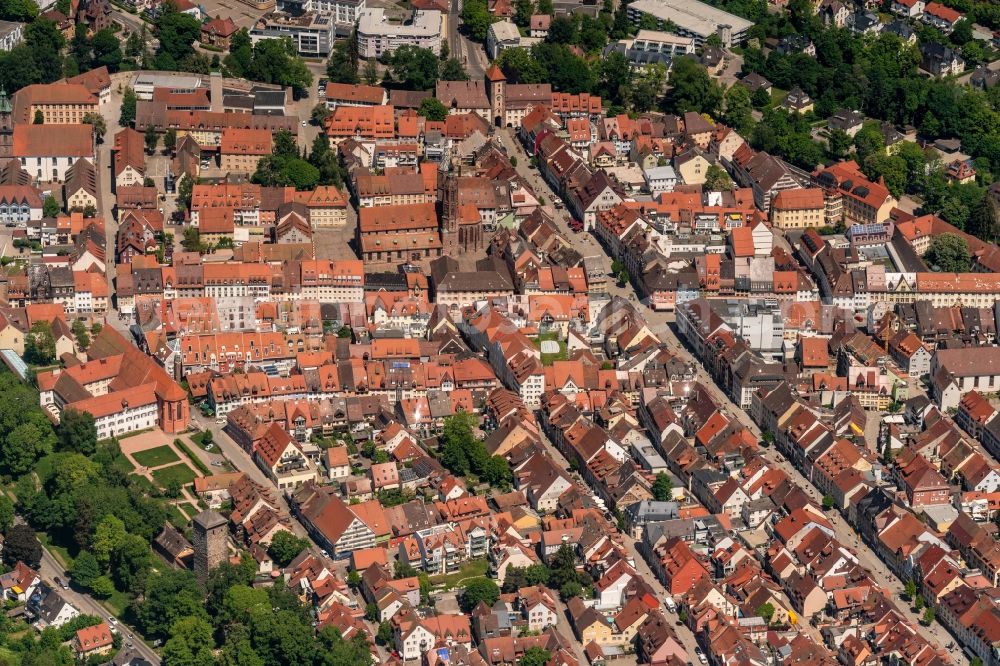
{"x":701,"y":655}
{"x":61,"y":583}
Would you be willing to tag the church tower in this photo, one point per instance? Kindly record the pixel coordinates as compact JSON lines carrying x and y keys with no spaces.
{"x":496,"y":89}
{"x":6,"y":126}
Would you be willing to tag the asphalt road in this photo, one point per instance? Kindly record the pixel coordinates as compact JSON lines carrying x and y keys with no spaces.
{"x":468,"y":52}
{"x":133,"y":23}
{"x":242,"y":462}
{"x":50,"y":568}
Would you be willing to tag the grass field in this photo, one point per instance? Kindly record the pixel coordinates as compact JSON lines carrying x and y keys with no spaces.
{"x":179,"y":472}
{"x":195,"y":460}
{"x":547,"y":359}
{"x":143,"y":483}
{"x":188,"y":509}
{"x":61,"y":554}
{"x":161,"y":455}
{"x":117,"y":603}
{"x":176,"y":516}
{"x":471,"y":569}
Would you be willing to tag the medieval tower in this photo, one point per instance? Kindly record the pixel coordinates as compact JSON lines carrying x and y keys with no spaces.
{"x":496,"y":90}
{"x":210,"y":549}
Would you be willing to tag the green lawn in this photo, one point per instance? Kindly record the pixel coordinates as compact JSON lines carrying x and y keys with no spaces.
{"x":188,"y":509}
{"x":143,"y":483}
{"x":118,"y":603}
{"x":195,"y":460}
{"x":179,"y":472}
{"x":176,"y":516}
{"x":58,"y":552}
{"x":547,"y":359}
{"x":471,"y":569}
{"x":777,"y":96}
{"x":161,"y":455}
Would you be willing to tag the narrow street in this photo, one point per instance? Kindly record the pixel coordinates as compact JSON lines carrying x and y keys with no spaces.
{"x":105,"y":178}
{"x":683,"y":633}
{"x":242,"y":462}
{"x":660,"y":323}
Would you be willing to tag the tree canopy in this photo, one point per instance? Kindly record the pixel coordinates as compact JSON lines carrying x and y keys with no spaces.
{"x":274,"y":61}
{"x":478,"y":590}
{"x":177,"y":33}
{"x":414,"y":68}
{"x":284,"y":167}
{"x":77,"y":432}
{"x":949,"y":253}
{"x":285,"y":547}
{"x":462,"y":453}
{"x":692,"y":89}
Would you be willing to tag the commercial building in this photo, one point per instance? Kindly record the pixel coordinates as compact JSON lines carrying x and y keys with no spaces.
{"x":59,"y":103}
{"x":242,"y":149}
{"x":798,"y":208}
{"x":145,"y":82}
{"x":19,"y":204}
{"x":311,"y":32}
{"x":377,"y":35}
{"x":502,"y":35}
{"x":693,"y":19}
{"x":851,"y":197}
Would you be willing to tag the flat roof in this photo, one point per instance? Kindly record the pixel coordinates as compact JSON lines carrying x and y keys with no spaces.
{"x":662,"y":37}
{"x":425,"y":23}
{"x":665,"y":171}
{"x":166,"y":80}
{"x":692,"y":15}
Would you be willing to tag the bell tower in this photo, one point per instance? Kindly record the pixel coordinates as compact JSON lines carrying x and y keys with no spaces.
{"x":496,"y":88}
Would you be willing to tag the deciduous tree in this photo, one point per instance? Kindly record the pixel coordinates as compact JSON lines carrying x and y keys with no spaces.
{"x":40,"y":344}
{"x":151,"y":138}
{"x":413,"y":67}
{"x":692,"y":89}
{"x":950,"y":253}
{"x":663,"y":488}
{"x":285,"y":547}
{"x":479,"y":590}
{"x":433,"y":109}
{"x":535,"y":656}
{"x":21,"y":545}
{"x":127,"y":116}
{"x":77,"y":432}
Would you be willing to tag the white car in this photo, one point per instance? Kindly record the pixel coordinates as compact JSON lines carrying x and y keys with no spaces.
{"x":701,"y":655}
